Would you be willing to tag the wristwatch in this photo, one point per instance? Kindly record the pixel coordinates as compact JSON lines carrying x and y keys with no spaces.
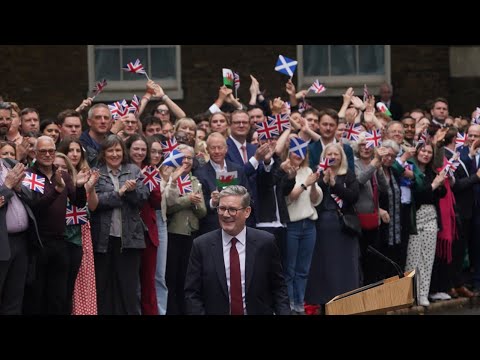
{"x":303,"y":186}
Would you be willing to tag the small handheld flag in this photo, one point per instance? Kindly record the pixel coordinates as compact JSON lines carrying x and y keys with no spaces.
{"x":224,"y":179}
{"x":282,"y":121}
{"x":325,"y":164}
{"x":337,"y":199}
{"x":299,"y":147}
{"x":460,"y":140}
{"x":236,"y":82}
{"x":317,"y":87}
{"x":266,"y":130}
{"x":285,"y":65}
{"x":76,"y":215}
{"x":383,"y":108}
{"x":168,"y":146}
{"x":34,"y":182}
{"x":351,"y":132}
{"x":174,"y":159}
{"x":184,"y":184}
{"x":227,"y":77}
{"x":99,"y":87}
{"x":136,"y":68}
{"x":151,"y":177}
{"x":365,"y":92}
{"x":373,"y":138}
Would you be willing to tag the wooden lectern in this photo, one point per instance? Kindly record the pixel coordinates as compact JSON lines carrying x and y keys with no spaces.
{"x":377,"y":298}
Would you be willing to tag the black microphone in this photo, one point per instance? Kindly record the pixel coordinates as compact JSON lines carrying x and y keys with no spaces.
{"x":379,"y":254}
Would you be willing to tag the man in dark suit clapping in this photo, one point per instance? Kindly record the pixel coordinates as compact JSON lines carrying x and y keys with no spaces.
{"x":235,"y":270}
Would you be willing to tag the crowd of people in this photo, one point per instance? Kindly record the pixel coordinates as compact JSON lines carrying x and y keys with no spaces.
{"x":107,"y":221}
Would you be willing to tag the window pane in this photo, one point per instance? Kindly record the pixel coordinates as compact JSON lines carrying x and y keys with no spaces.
{"x":131,"y":55}
{"x":344,"y":59}
{"x":315,"y":60}
{"x":372,"y":59}
{"x":163,"y":63}
{"x":107,"y":64}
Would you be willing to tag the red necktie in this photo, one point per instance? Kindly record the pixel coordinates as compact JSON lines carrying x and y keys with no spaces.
{"x":236,"y":301}
{"x":244,"y":153}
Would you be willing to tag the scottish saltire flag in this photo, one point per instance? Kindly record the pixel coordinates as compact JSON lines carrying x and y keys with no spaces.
{"x":285,"y":65}
{"x":34,"y":182}
{"x":174,"y":159}
{"x":365,"y":93}
{"x":266,"y":130}
{"x":460,"y":140}
{"x":236,"y":80}
{"x":351,"y":132}
{"x":298,"y":146}
{"x":168,"y":146}
{"x":100,"y":86}
{"x":227,"y":77}
{"x":76,"y":215}
{"x":282,"y":122}
{"x":184,"y":184}
{"x":136,"y":68}
{"x":373,"y":139}
{"x":317,"y":87}
{"x":151,"y":177}
{"x":337,"y":200}
{"x":324,"y":164}
{"x":134,"y":105}
{"x":383,"y":108}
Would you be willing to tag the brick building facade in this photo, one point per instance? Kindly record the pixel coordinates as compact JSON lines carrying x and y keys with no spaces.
{"x":55,"y":77}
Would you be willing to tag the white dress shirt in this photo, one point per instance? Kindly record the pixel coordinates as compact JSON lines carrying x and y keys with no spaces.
{"x":240,"y":245}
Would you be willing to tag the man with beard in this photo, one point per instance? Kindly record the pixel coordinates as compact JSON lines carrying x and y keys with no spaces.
{"x":5,"y":119}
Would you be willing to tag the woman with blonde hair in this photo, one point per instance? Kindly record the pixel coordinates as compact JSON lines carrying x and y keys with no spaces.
{"x":335,"y":266}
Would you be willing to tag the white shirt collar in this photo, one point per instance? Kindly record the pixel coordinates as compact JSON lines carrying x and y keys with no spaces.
{"x":217,"y":167}
{"x":237,"y":143}
{"x":241,"y":237}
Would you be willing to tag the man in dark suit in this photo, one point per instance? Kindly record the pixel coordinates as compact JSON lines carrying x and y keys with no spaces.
{"x":207,"y":175}
{"x":236,"y":269}
{"x":18,"y":236}
{"x":386,"y":92}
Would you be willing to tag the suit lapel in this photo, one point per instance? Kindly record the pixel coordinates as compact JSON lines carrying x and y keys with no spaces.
{"x":250,"y":252}
{"x":217,"y":253}
{"x":233,"y":151}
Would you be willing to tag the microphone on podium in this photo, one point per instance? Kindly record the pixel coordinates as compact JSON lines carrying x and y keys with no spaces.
{"x":380,"y":255}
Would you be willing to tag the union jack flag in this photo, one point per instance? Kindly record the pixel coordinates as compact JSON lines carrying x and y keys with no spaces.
{"x":460,"y":140}
{"x":184,"y":184}
{"x":351,"y":132}
{"x":324,"y":164}
{"x":151,"y":177}
{"x":266,"y":130}
{"x":282,"y":122}
{"x":302,"y":106}
{"x":134,"y":105}
{"x":288,"y":107}
{"x":136,"y":68}
{"x":299,"y":147}
{"x":365,"y":93}
{"x":168,"y":146}
{"x":373,"y":138}
{"x":236,"y":80}
{"x":451,"y":165}
{"x":118,"y":109}
{"x":317,"y":87}
{"x":175,"y":159}
{"x":34,"y":182}
{"x":337,"y":200}
{"x":422,"y":140}
{"x":100,"y":86}
{"x":76,"y":215}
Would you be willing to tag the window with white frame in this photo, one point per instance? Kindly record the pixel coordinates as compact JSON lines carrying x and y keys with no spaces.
{"x":338,"y":67}
{"x":161,"y":62}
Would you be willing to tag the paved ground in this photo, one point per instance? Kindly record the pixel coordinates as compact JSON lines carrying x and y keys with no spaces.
{"x":460,"y":306}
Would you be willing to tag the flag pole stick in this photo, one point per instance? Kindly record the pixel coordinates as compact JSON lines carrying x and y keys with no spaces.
{"x":147,"y":75}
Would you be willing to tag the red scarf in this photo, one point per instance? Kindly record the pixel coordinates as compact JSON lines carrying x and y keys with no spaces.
{"x":448,"y":233}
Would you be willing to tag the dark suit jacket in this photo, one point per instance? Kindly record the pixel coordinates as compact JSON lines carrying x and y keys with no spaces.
{"x":396,"y":109}
{"x":207,"y":177}
{"x":233,"y":155}
{"x":206,"y":291}
{"x":34,"y":238}
{"x":463,"y":188}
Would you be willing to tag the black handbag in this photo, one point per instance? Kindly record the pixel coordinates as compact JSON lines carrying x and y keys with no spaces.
{"x":350,"y":223}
